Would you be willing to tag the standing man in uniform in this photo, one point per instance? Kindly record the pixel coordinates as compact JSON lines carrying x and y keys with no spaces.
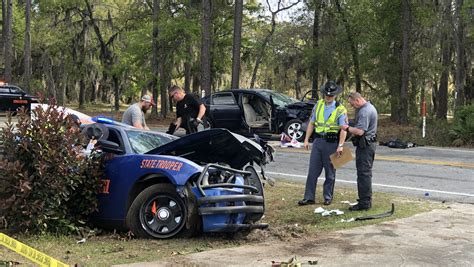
{"x":326,"y":120}
{"x":189,"y":111}
{"x":135,"y":114}
{"x":365,"y":133}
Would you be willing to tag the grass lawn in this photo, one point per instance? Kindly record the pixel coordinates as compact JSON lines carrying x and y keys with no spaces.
{"x":286,"y":219}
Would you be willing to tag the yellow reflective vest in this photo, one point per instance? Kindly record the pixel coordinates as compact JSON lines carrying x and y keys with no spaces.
{"x":330,"y":125}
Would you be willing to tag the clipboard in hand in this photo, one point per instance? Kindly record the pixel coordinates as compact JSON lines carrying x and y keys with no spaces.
{"x":339,"y":161}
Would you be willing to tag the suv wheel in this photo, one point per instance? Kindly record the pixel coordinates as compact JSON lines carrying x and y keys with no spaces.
{"x":294,"y":129}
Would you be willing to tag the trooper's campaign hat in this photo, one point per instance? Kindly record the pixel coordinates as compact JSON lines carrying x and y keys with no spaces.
{"x":331,"y":89}
{"x":96,"y":131}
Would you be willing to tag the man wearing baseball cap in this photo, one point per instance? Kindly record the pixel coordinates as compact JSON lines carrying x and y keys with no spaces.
{"x":135,"y":114}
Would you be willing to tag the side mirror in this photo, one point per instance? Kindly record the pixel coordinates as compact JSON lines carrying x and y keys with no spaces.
{"x":109,"y":147}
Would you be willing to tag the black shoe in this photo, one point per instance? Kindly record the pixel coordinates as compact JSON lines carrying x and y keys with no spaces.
{"x":359,"y":206}
{"x":306,"y":202}
{"x":327,"y":202}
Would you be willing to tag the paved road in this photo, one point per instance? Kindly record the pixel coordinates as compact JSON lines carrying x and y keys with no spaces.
{"x":443,"y":173}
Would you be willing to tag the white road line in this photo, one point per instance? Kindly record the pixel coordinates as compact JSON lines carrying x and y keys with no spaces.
{"x":381,"y":185}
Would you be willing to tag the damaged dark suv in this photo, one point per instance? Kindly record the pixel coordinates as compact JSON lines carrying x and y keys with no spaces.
{"x":257,"y":111}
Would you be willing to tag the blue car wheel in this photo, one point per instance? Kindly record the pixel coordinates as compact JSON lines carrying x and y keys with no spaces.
{"x":157,"y":212}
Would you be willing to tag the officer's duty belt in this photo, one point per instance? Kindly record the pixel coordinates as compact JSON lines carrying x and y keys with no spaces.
{"x":330,"y":138}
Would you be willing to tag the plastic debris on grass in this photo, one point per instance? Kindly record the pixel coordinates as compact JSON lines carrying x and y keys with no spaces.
{"x":347,"y":220}
{"x":325,"y":212}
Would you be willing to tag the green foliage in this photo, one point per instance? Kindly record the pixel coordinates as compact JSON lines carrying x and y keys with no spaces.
{"x":437,"y":132}
{"x":462,"y":129}
{"x":47,"y":184}
{"x":64,"y":37}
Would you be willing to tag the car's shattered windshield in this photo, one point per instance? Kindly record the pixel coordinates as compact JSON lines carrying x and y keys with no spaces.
{"x":142,"y":142}
{"x":279,"y":99}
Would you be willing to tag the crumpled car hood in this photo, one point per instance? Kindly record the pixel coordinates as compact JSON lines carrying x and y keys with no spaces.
{"x":214,"y":146}
{"x":300,"y":105}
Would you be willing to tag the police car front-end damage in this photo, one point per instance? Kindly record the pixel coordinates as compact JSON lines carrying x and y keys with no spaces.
{"x":205,"y":181}
{"x":229,"y":190}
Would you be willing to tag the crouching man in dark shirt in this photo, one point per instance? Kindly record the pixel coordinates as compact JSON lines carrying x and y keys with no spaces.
{"x":189,"y":111}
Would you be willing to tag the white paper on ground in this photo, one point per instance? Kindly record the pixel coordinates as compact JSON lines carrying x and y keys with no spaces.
{"x":348,"y":220}
{"x":330,"y":212}
{"x":326,"y":213}
{"x":348,"y":202}
{"x":319,"y":210}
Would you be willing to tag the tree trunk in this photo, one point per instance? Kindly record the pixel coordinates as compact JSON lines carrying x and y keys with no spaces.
{"x":460,"y":67}
{"x":8,"y":41}
{"x":434,"y":99}
{"x":188,"y":67}
{"x":315,"y":72}
{"x":27,"y":46}
{"x":206,"y":47}
{"x":469,"y":89}
{"x":2,"y":39}
{"x":413,"y":92}
{"x":239,"y":6}
{"x":104,"y":98}
{"x":94,"y":83}
{"x":393,"y":79}
{"x":82,"y":93}
{"x":405,"y":61}
{"x":64,"y":81}
{"x":116,"y":89}
{"x":48,"y":72}
{"x":196,"y":83}
{"x":164,"y":96}
{"x":299,"y":74}
{"x":154,"y":59}
{"x":442,"y":97}
{"x":353,"y":45}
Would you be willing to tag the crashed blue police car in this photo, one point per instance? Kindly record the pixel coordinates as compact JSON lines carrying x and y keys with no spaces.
{"x":161,"y":186}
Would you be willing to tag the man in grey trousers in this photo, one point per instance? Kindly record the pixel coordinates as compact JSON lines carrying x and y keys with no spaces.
{"x":326,"y":120}
{"x":365,"y":134}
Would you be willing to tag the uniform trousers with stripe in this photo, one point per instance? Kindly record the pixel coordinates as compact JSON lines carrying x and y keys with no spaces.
{"x":319,"y":159}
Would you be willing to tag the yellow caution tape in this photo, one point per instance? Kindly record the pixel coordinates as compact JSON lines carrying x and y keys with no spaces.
{"x":29,"y":252}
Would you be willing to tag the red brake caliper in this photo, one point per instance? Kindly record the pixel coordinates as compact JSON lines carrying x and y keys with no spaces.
{"x":153,"y":208}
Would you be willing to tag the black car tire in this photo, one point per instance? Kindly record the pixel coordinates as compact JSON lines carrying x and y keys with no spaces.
{"x":167,"y":204}
{"x":293,"y":128}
